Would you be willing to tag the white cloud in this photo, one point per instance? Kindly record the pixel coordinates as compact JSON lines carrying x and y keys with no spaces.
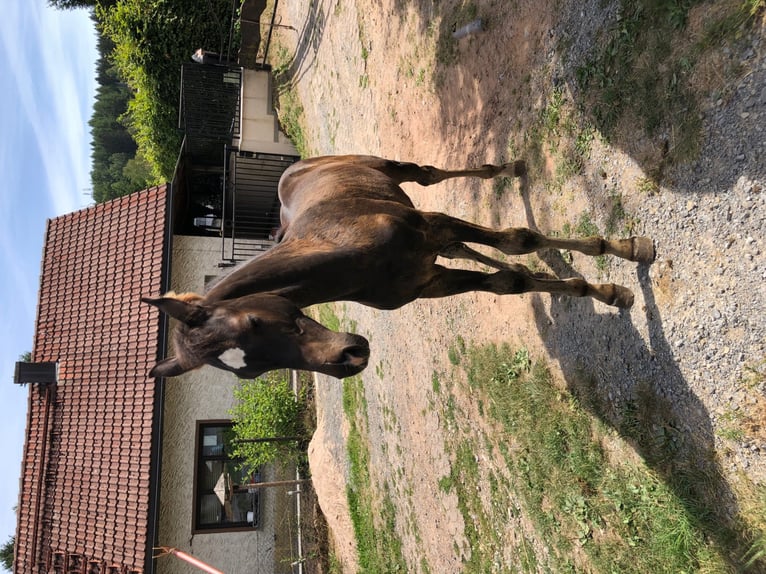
{"x":53,"y":69}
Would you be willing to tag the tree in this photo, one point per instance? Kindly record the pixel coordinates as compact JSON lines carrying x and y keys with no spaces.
{"x":117,"y":167}
{"x":72,"y":4}
{"x":6,"y":554}
{"x":152,"y":39}
{"x":265,"y":408}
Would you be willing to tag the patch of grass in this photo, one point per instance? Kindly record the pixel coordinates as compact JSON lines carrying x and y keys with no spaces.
{"x":619,"y":222}
{"x":647,"y":186}
{"x":328,"y":317}
{"x":372,"y":510}
{"x":643,"y":74}
{"x":731,"y":426}
{"x":501,"y":185}
{"x":593,"y":512}
{"x":558,"y":134}
{"x":584,"y":227}
{"x":435,"y":384}
{"x":288,"y":105}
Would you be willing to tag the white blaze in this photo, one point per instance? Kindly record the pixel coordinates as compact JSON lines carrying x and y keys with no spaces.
{"x":234,"y":358}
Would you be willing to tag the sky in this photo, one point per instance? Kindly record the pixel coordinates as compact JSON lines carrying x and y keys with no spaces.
{"x":48,"y":83}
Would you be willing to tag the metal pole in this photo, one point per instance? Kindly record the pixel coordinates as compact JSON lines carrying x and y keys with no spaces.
{"x":270,"y":439}
{"x":190,"y":559}
{"x":271,"y":29}
{"x":253,"y":485}
{"x":223,"y":201}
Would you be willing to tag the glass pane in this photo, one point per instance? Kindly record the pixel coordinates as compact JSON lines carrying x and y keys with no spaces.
{"x":210,"y":510}
{"x":223,"y":499}
{"x":242,"y":507}
{"x":213,"y":441}
{"x":211,"y":475}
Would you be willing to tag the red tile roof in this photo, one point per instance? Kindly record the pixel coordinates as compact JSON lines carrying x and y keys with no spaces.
{"x":86,"y":472}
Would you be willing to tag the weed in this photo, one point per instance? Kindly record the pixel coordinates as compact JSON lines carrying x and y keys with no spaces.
{"x":642,"y":75}
{"x":435,"y":384}
{"x":584,"y":141}
{"x":647,"y":186}
{"x":500,"y":185}
{"x":446,"y":45}
{"x":288,"y":105}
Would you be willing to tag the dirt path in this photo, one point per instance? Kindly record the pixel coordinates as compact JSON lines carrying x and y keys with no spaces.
{"x":383,"y":78}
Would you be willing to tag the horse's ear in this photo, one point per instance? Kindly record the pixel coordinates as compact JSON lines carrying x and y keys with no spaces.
{"x":189,"y":313}
{"x":167,"y":368}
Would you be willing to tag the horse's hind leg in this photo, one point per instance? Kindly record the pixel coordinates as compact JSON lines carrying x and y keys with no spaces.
{"x":447,"y":230}
{"x":519,"y":279}
{"x":462,"y":251}
{"x":429,"y":175}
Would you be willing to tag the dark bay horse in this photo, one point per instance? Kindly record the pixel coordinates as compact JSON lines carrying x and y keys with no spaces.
{"x":350,"y":233}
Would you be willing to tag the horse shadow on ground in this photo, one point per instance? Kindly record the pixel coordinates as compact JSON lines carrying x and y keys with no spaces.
{"x":638,"y":389}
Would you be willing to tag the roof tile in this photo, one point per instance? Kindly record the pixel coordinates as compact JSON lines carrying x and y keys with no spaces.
{"x":84,"y":496}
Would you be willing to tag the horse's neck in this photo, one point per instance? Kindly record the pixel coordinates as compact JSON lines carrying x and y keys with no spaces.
{"x":302,"y":273}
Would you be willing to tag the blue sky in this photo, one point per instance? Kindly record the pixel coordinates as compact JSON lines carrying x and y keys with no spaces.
{"x":48,"y":72}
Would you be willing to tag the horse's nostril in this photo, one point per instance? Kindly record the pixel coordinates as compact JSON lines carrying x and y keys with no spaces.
{"x":356,"y":356}
{"x":358,"y":351}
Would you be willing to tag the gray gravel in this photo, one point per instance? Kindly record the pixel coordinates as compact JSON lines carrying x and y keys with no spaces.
{"x":703,"y":323}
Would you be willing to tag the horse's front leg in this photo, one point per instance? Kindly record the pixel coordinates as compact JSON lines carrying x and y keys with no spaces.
{"x":447,"y":230}
{"x":519,"y":279}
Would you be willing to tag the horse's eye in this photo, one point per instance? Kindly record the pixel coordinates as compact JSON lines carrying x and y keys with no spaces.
{"x":254,"y":321}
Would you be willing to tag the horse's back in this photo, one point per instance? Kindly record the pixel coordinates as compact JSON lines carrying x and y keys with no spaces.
{"x":324,"y":179}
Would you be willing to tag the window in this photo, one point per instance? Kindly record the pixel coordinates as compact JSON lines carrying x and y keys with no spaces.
{"x":222,"y":499}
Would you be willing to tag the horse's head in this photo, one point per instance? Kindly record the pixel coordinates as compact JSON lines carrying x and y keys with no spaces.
{"x":254,"y":334}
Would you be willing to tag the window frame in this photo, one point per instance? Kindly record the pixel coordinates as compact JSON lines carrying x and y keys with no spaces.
{"x":198,"y":493}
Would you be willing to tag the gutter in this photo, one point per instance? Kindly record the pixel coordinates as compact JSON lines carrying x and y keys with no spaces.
{"x":155,"y":471}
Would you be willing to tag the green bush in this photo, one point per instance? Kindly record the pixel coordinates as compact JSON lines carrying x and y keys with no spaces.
{"x":266,"y":407}
{"x":152,"y":39}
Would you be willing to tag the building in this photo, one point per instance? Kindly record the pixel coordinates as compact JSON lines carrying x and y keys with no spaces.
{"x":116,"y":463}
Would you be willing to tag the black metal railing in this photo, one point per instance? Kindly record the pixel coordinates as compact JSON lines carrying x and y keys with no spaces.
{"x":209,"y":112}
{"x":250,"y":203}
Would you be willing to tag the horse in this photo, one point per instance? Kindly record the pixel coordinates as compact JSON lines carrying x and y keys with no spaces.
{"x":350,"y":233}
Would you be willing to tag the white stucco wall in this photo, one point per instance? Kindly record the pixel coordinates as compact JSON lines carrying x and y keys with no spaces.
{"x":204,"y":394}
{"x":259,"y":125}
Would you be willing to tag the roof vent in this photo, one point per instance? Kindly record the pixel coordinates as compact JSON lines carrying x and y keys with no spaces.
{"x":44,"y":373}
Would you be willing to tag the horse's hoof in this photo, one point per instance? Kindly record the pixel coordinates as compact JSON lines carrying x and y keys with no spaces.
{"x":623,"y":297}
{"x":643,"y":250}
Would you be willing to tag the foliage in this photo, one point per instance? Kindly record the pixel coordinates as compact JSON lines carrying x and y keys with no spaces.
{"x":117,"y":167}
{"x":6,"y":554}
{"x":266,"y":407}
{"x":288,"y":104}
{"x":152,"y":39}
{"x":378,"y":545}
{"x":73,"y":4}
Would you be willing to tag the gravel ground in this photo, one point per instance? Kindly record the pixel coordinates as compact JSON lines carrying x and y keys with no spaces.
{"x":704,"y":324}
{"x":680,"y":359}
